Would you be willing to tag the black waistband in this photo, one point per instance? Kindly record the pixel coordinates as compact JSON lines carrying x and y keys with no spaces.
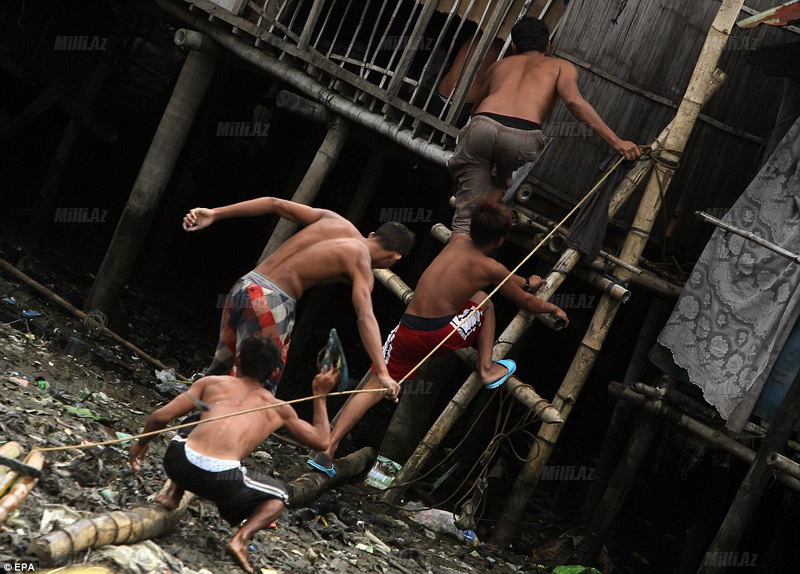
{"x":424,"y":323}
{"x":511,"y":121}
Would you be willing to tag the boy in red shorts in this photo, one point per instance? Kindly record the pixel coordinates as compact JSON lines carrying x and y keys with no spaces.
{"x":445,"y":295}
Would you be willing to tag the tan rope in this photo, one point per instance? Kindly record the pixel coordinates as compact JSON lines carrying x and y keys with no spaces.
{"x":180,"y":426}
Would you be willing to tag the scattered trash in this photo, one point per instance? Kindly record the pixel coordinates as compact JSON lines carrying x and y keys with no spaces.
{"x":82,"y":412}
{"x":382,"y":473}
{"x":9,"y":300}
{"x":440,"y":521}
{"x":19,"y":380}
{"x":575,"y":570}
{"x":30,"y":313}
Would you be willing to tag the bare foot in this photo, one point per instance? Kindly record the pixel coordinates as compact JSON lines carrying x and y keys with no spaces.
{"x":238,"y":551}
{"x":171,"y":499}
{"x":495,"y":372}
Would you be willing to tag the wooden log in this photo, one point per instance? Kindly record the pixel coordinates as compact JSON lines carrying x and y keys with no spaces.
{"x":306,"y":192}
{"x":151,"y":182}
{"x":115,"y":527}
{"x":524,"y":393}
{"x":701,"y":85}
{"x":10,"y":449}
{"x":22,"y":487}
{"x":89,"y":92}
{"x":308,"y":486}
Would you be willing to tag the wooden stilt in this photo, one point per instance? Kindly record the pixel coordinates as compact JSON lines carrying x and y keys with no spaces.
{"x":154,"y":175}
{"x":695,"y":96}
{"x":620,"y":483}
{"x":307,"y":191}
{"x":416,"y":409}
{"x":755,"y":482}
{"x":618,"y":428}
{"x":456,"y":407}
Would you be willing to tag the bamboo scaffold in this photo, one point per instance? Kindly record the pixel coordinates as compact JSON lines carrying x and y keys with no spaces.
{"x":694,"y":98}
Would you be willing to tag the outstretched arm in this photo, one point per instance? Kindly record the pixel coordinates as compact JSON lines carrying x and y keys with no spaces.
{"x":363,"y":281}
{"x":513,"y":290}
{"x":202,"y":217}
{"x":568,"y":91}
{"x":318,"y":434}
{"x":179,"y":406}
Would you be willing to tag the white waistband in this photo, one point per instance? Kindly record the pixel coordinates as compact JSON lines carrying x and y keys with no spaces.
{"x":209,"y":463}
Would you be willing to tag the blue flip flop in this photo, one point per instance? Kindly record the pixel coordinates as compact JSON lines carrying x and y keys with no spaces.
{"x":312,"y":462}
{"x":508,"y":364}
{"x":332,"y":355}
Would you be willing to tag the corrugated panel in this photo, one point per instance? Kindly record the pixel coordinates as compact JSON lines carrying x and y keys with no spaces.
{"x":653,"y":45}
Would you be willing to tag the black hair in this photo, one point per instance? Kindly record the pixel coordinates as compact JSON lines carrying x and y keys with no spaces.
{"x":258,"y":358}
{"x":530,"y":35}
{"x":490,"y":221}
{"x":394,"y":236}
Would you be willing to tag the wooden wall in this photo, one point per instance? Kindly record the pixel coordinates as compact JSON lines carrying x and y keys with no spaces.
{"x":653,"y":45}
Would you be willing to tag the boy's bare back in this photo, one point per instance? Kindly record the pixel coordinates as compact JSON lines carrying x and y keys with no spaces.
{"x":522,"y":86}
{"x":327,"y":252}
{"x":452,"y":278}
{"x":236,"y":437}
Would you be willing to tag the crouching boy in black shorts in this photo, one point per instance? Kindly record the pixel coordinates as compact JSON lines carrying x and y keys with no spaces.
{"x":208,"y":461}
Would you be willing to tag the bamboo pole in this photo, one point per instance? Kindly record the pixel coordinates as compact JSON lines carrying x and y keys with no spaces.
{"x":750,"y":236}
{"x":115,"y":527}
{"x":306,"y":192}
{"x":711,"y":435}
{"x":11,"y":449}
{"x":5,"y":265}
{"x":619,"y":485}
{"x":757,"y":479}
{"x":700,"y":86}
{"x":310,"y":485}
{"x":635,"y":176}
{"x":22,"y":487}
{"x":456,"y":407}
{"x":301,"y":106}
{"x":784,"y":464}
{"x":151,"y":182}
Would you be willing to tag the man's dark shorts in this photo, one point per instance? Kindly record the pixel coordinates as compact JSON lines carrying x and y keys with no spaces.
{"x":236,"y":491}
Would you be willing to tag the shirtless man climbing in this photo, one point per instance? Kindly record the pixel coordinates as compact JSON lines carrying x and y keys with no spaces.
{"x":514,"y":97}
{"x":446,"y":294}
{"x":208,"y":462}
{"x":328,"y":249}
